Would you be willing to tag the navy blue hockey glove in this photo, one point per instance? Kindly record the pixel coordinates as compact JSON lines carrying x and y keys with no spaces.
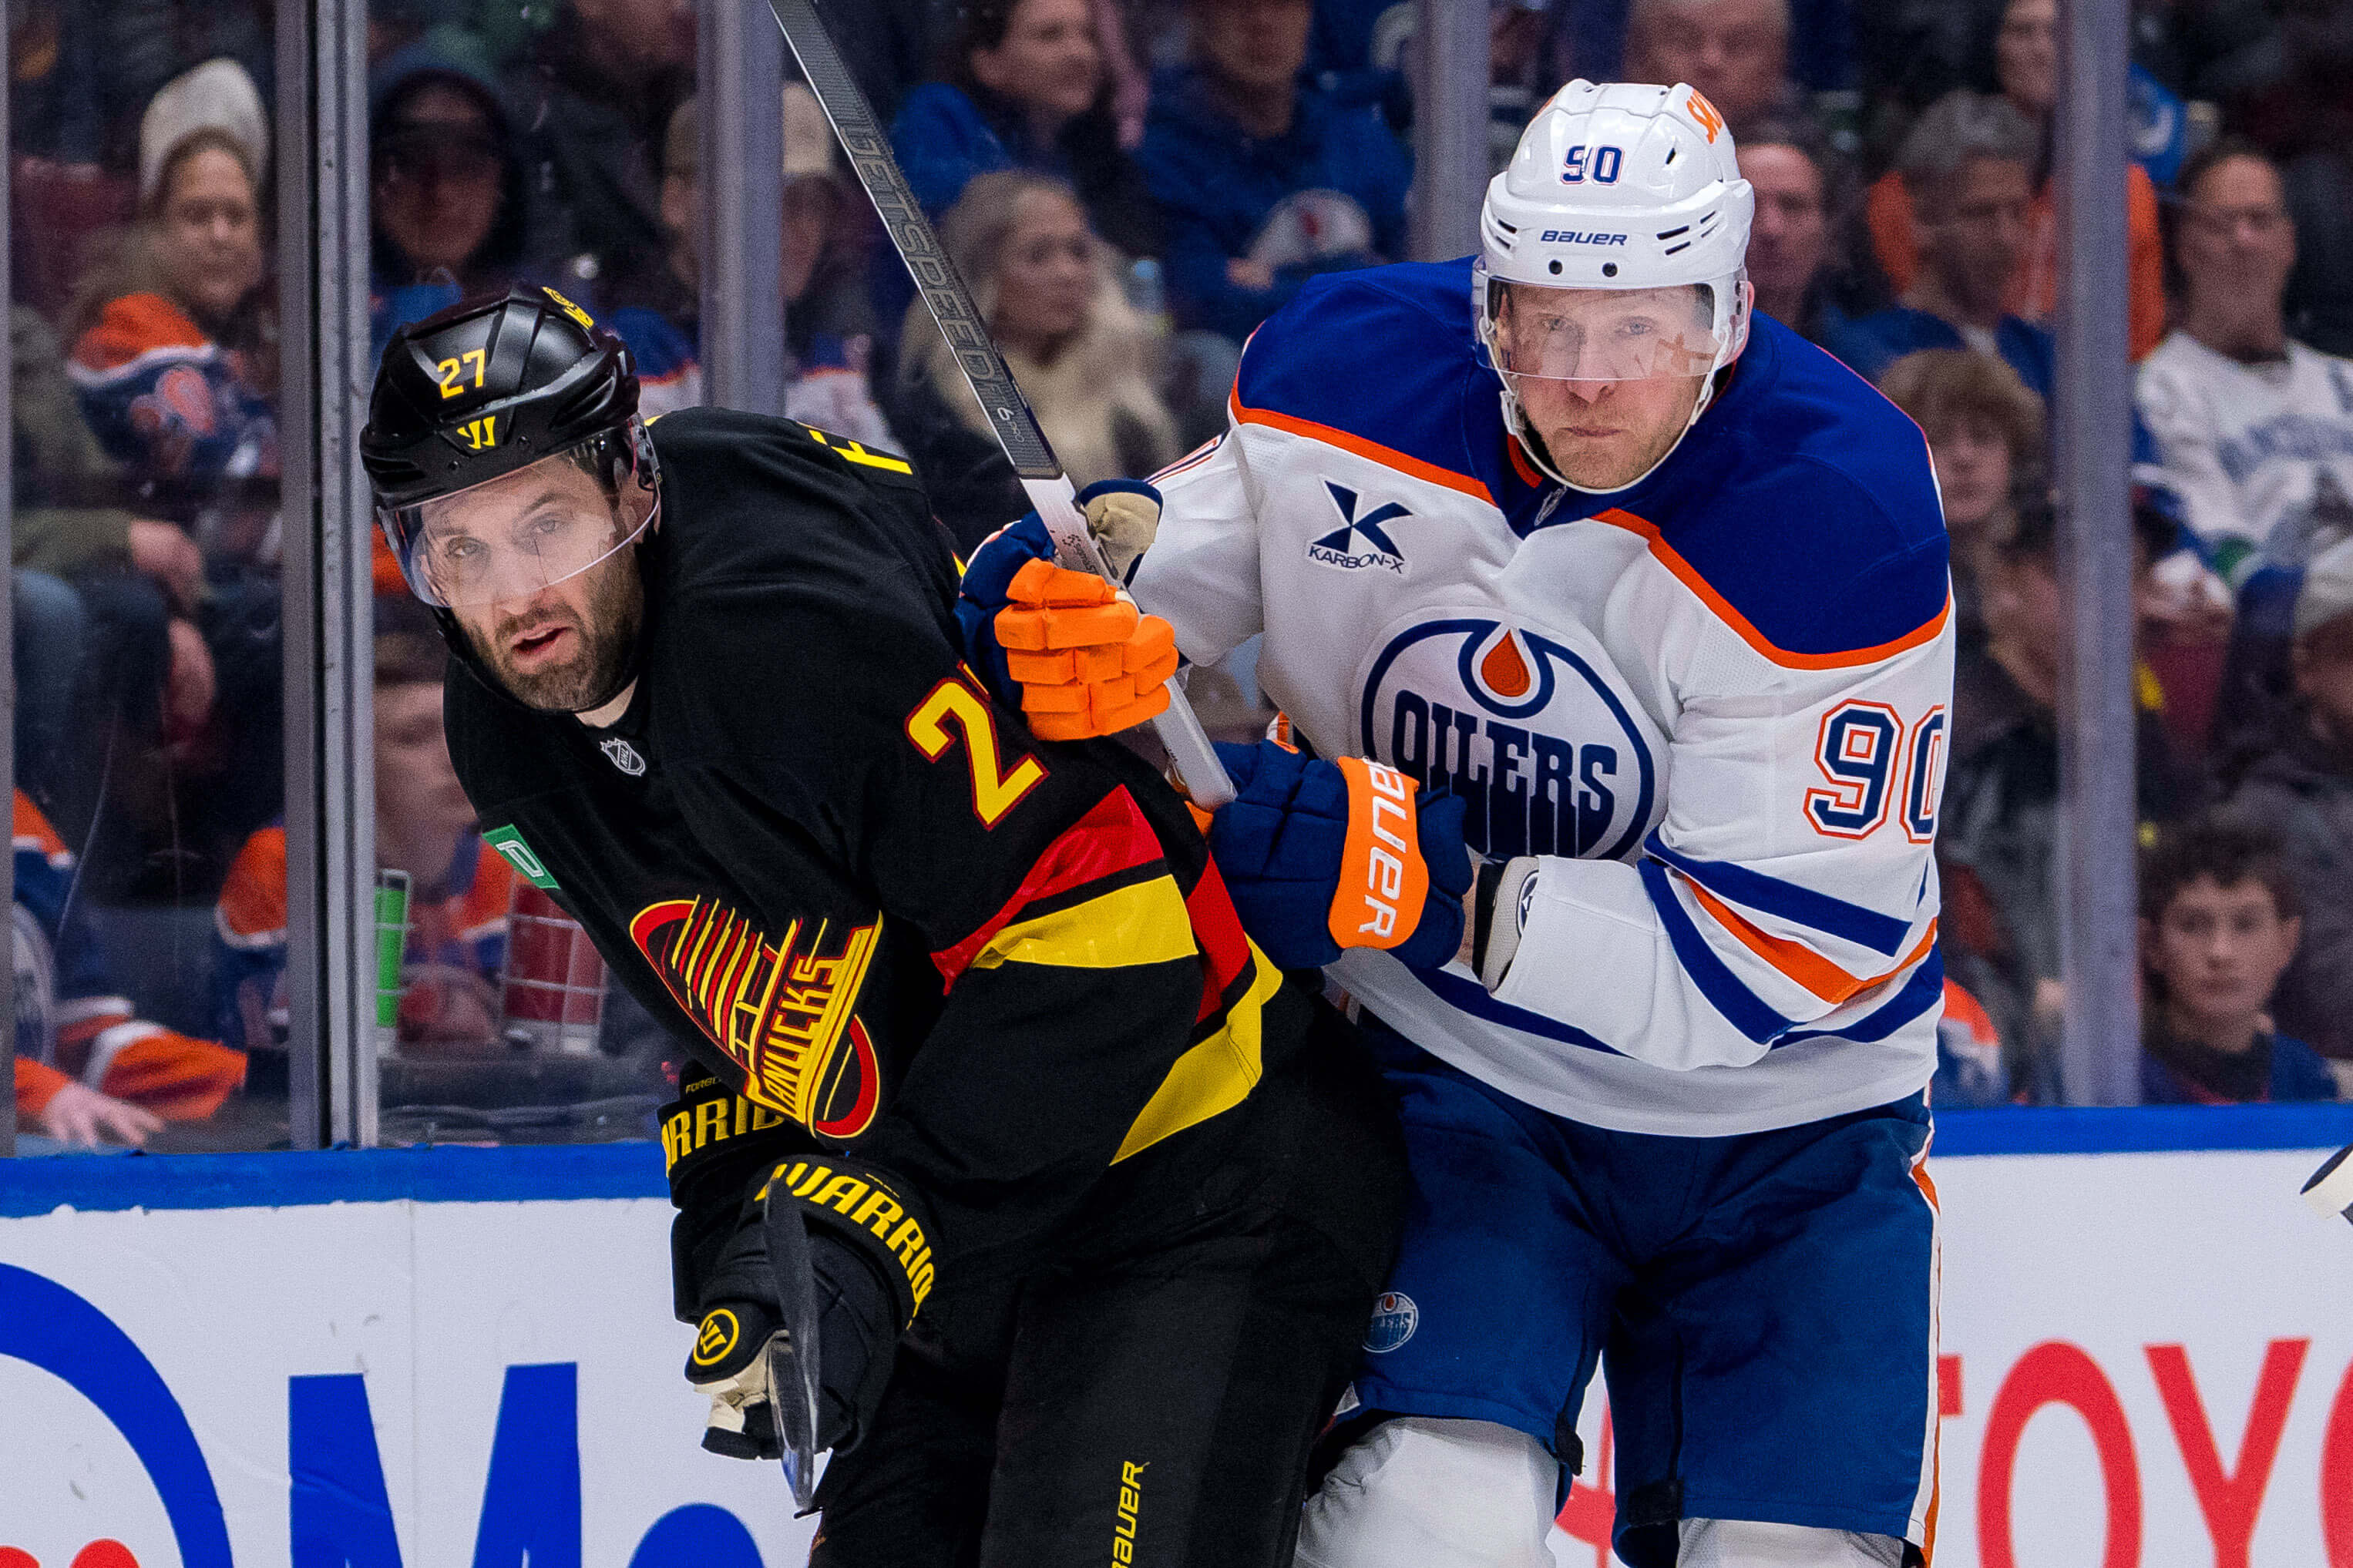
{"x":1324,"y":856}
{"x":1067,"y":648}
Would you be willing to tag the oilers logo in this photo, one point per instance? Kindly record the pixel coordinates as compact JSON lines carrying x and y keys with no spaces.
{"x":1394,"y":1318}
{"x":1548,"y":756}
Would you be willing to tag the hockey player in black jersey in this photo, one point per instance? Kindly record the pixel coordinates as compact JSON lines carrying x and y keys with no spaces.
{"x":1095,"y":1203}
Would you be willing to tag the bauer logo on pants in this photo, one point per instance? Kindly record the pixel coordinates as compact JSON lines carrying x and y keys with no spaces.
{"x":1394,"y":1318}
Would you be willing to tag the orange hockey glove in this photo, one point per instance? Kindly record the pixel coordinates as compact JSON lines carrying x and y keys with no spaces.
{"x":1087,"y":662}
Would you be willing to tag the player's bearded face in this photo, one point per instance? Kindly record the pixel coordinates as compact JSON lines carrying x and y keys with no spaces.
{"x":1607,"y":377}
{"x":562,"y":646}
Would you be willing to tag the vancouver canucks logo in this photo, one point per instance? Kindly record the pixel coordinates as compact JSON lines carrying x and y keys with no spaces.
{"x":1359,"y":542}
{"x":1547,"y":752}
{"x":781,"y":1006}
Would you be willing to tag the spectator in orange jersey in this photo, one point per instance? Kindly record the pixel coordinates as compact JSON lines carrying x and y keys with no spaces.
{"x":172,"y":364}
{"x":459,"y":888}
{"x":86,"y":1066}
{"x":2026,"y":58}
{"x":169,"y":342}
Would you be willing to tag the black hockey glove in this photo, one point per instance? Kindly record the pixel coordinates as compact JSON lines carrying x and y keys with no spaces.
{"x":769,"y":1395}
{"x":863,"y":1268}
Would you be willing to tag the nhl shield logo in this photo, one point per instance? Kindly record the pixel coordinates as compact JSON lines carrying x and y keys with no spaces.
{"x":1394,"y":1318}
{"x":622,"y":755}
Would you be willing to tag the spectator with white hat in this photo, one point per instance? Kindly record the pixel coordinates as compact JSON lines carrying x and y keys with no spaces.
{"x":173,"y":364}
{"x":168,"y":343}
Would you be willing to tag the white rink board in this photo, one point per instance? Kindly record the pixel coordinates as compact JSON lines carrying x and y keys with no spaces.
{"x":262,"y":1325}
{"x":2088,"y":1261}
{"x":431,"y":1303}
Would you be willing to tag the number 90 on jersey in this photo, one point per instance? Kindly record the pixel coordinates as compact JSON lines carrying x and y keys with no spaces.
{"x":1873,"y":767}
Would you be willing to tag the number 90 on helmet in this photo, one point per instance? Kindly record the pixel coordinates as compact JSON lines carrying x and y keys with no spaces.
{"x":485,"y":391}
{"x":1618,"y":194}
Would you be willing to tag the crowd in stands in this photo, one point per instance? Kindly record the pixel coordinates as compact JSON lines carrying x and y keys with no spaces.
{"x":1131,"y":187}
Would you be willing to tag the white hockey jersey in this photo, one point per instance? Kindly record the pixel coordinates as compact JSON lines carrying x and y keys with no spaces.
{"x":1713,"y":701}
{"x":2245,"y":445}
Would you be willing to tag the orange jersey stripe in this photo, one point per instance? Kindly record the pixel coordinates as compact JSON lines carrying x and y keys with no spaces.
{"x":1386,"y":456}
{"x":133,"y":325}
{"x":1797,"y":962}
{"x":33,"y":828}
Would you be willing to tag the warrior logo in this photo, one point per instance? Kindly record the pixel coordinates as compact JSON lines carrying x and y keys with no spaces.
{"x":1548,"y":755}
{"x":1338,"y":548}
{"x":782,"y":1011}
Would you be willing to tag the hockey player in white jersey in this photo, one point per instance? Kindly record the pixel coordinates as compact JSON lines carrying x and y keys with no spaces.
{"x":1659,"y":592}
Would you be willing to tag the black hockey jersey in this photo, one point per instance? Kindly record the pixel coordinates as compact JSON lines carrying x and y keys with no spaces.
{"x":865,"y":895}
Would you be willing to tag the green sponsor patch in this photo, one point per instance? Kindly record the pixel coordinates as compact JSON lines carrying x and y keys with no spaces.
{"x":519,"y":855}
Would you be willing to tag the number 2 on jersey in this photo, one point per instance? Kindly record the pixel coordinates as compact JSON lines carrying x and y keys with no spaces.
{"x":952,"y":702}
{"x":1861,"y":750}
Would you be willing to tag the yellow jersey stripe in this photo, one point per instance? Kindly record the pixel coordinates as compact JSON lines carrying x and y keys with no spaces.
{"x":1213,"y":1076}
{"x":1143,"y":923}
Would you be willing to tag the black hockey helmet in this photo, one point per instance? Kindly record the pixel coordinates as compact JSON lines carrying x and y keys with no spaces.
{"x":482,"y":390}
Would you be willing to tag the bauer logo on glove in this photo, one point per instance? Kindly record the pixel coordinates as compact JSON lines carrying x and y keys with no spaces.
{"x":1385,"y":880}
{"x":1320,"y":856}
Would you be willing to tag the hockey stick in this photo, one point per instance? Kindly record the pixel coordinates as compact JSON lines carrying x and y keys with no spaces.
{"x":793,"y":1397}
{"x":949,"y":303}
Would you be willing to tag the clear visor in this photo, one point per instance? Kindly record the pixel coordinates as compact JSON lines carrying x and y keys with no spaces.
{"x":1533,"y":331}
{"x":504,"y":540}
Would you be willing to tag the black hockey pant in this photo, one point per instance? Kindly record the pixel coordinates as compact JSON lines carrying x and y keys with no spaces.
{"x":1150,"y":1399}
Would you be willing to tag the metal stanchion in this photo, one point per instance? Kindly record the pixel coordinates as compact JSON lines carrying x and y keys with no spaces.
{"x":742,"y":174}
{"x":1449,"y":127}
{"x":2099,"y":1054}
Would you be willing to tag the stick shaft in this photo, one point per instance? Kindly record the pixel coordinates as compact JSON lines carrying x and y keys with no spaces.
{"x":951,"y":305}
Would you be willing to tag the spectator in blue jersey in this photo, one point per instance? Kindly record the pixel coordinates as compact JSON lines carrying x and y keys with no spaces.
{"x":1968,"y":168}
{"x":1027,"y":86}
{"x":2220,"y":920}
{"x":829,"y":324}
{"x":1813,"y":40}
{"x":448,"y":204}
{"x":1263,"y":182}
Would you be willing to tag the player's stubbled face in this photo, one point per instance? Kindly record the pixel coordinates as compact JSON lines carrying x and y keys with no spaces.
{"x":560,"y":645}
{"x":1608,"y":377}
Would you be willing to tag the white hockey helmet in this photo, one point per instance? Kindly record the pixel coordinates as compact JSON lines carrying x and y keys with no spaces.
{"x":1616,"y":186}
